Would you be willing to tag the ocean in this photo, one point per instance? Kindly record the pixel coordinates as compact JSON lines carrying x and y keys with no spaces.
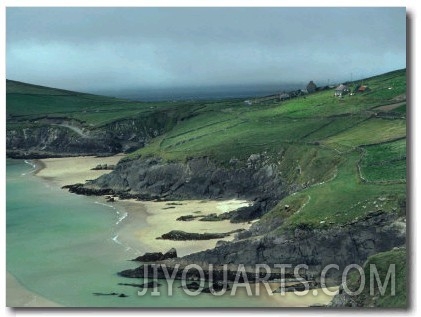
{"x":65,"y":247}
{"x":199,"y":93}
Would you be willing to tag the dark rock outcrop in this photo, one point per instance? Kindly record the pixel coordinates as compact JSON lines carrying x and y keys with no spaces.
{"x":110,"y":294}
{"x":198,"y":178}
{"x":216,"y":275}
{"x":255,"y":211}
{"x":157,"y":256}
{"x":187,"y":218}
{"x":193,"y":286}
{"x":101,"y":167}
{"x":151,"y":284}
{"x":342,"y":299}
{"x":170,"y":254}
{"x":297,"y":287}
{"x":216,"y":287}
{"x":105,"y":294}
{"x":56,"y":140}
{"x":81,"y":190}
{"x":61,"y":136}
{"x":341,"y":245}
{"x":209,"y":217}
{"x":184,"y":236}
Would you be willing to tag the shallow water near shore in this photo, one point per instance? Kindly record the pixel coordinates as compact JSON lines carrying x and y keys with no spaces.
{"x":64,"y":247}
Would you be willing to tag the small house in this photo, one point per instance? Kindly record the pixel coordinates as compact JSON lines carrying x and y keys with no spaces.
{"x":362,"y":89}
{"x":341,"y":90}
{"x":311,"y":87}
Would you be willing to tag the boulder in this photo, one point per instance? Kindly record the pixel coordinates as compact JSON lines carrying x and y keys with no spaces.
{"x":179,"y":235}
{"x":157,"y":256}
{"x":170,"y":254}
{"x":150,"y":257}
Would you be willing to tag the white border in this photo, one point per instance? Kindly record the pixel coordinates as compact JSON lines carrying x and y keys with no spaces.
{"x":414,"y":70}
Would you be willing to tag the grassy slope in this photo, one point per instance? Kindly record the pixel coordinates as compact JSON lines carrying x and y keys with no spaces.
{"x":26,"y":103}
{"x":382,"y":262}
{"x":348,"y":158}
{"x":371,"y":169}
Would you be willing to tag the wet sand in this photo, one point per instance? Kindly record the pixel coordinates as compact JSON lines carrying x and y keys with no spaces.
{"x":72,"y":170}
{"x":18,"y":296}
{"x":147,"y":220}
{"x":161,"y":218}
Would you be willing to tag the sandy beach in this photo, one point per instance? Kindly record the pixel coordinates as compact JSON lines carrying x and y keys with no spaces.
{"x":302,"y":299}
{"x":18,"y":296}
{"x":147,"y":220}
{"x":161,"y":218}
{"x":72,"y":170}
{"x":314,"y":297}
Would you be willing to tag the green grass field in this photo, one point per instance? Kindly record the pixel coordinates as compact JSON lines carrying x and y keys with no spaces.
{"x":343,"y":198}
{"x":376,"y":166}
{"x":346,"y":157}
{"x":380,"y":263}
{"x":29,"y":102}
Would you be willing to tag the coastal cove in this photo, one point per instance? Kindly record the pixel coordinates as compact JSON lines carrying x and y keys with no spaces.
{"x":208,"y":157}
{"x":65,"y":247}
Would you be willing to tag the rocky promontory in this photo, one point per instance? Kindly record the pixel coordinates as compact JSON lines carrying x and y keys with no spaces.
{"x":157,"y":256}
{"x":178,"y":235}
{"x":342,"y":245}
{"x":198,"y":178}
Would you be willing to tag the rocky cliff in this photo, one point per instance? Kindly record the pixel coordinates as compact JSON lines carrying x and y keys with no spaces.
{"x":198,"y":178}
{"x":348,"y":244}
{"x":341,"y":245}
{"x":53,"y":137}
{"x":260,"y":181}
{"x":55,"y":140}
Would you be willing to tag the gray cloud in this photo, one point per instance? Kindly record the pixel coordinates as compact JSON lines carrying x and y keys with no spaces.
{"x":103,"y":48}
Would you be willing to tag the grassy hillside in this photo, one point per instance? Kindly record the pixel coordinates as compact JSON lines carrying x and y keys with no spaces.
{"x":346,"y":156}
{"x":340,"y":158}
{"x":25,"y":102}
{"x":382,"y":262}
{"x":227,"y":129}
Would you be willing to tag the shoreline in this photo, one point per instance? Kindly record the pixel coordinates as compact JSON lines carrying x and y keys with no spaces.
{"x":18,"y":295}
{"x":141,"y":222}
{"x":72,"y":170}
{"x":158,"y":220}
{"x":146,"y":220}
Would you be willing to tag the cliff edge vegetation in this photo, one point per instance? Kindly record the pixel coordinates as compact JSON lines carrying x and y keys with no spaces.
{"x":314,"y":167}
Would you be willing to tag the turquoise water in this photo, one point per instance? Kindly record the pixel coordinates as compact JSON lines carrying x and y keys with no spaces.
{"x":63,"y":247}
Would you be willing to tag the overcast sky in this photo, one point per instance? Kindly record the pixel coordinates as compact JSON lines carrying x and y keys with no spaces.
{"x":94,"y":49}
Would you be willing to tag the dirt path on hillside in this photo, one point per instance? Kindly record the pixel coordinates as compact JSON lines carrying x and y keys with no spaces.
{"x":390,"y":107}
{"x":79,"y":131}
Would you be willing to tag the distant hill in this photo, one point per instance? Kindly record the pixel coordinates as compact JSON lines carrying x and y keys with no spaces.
{"x":316,"y":167}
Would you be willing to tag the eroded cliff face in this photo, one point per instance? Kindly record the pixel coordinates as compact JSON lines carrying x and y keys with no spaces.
{"x":341,"y":245}
{"x":198,"y":178}
{"x":260,"y":181}
{"x":55,"y":140}
{"x":55,"y":137}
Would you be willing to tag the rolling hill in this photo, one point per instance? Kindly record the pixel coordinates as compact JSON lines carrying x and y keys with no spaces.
{"x":316,"y":163}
